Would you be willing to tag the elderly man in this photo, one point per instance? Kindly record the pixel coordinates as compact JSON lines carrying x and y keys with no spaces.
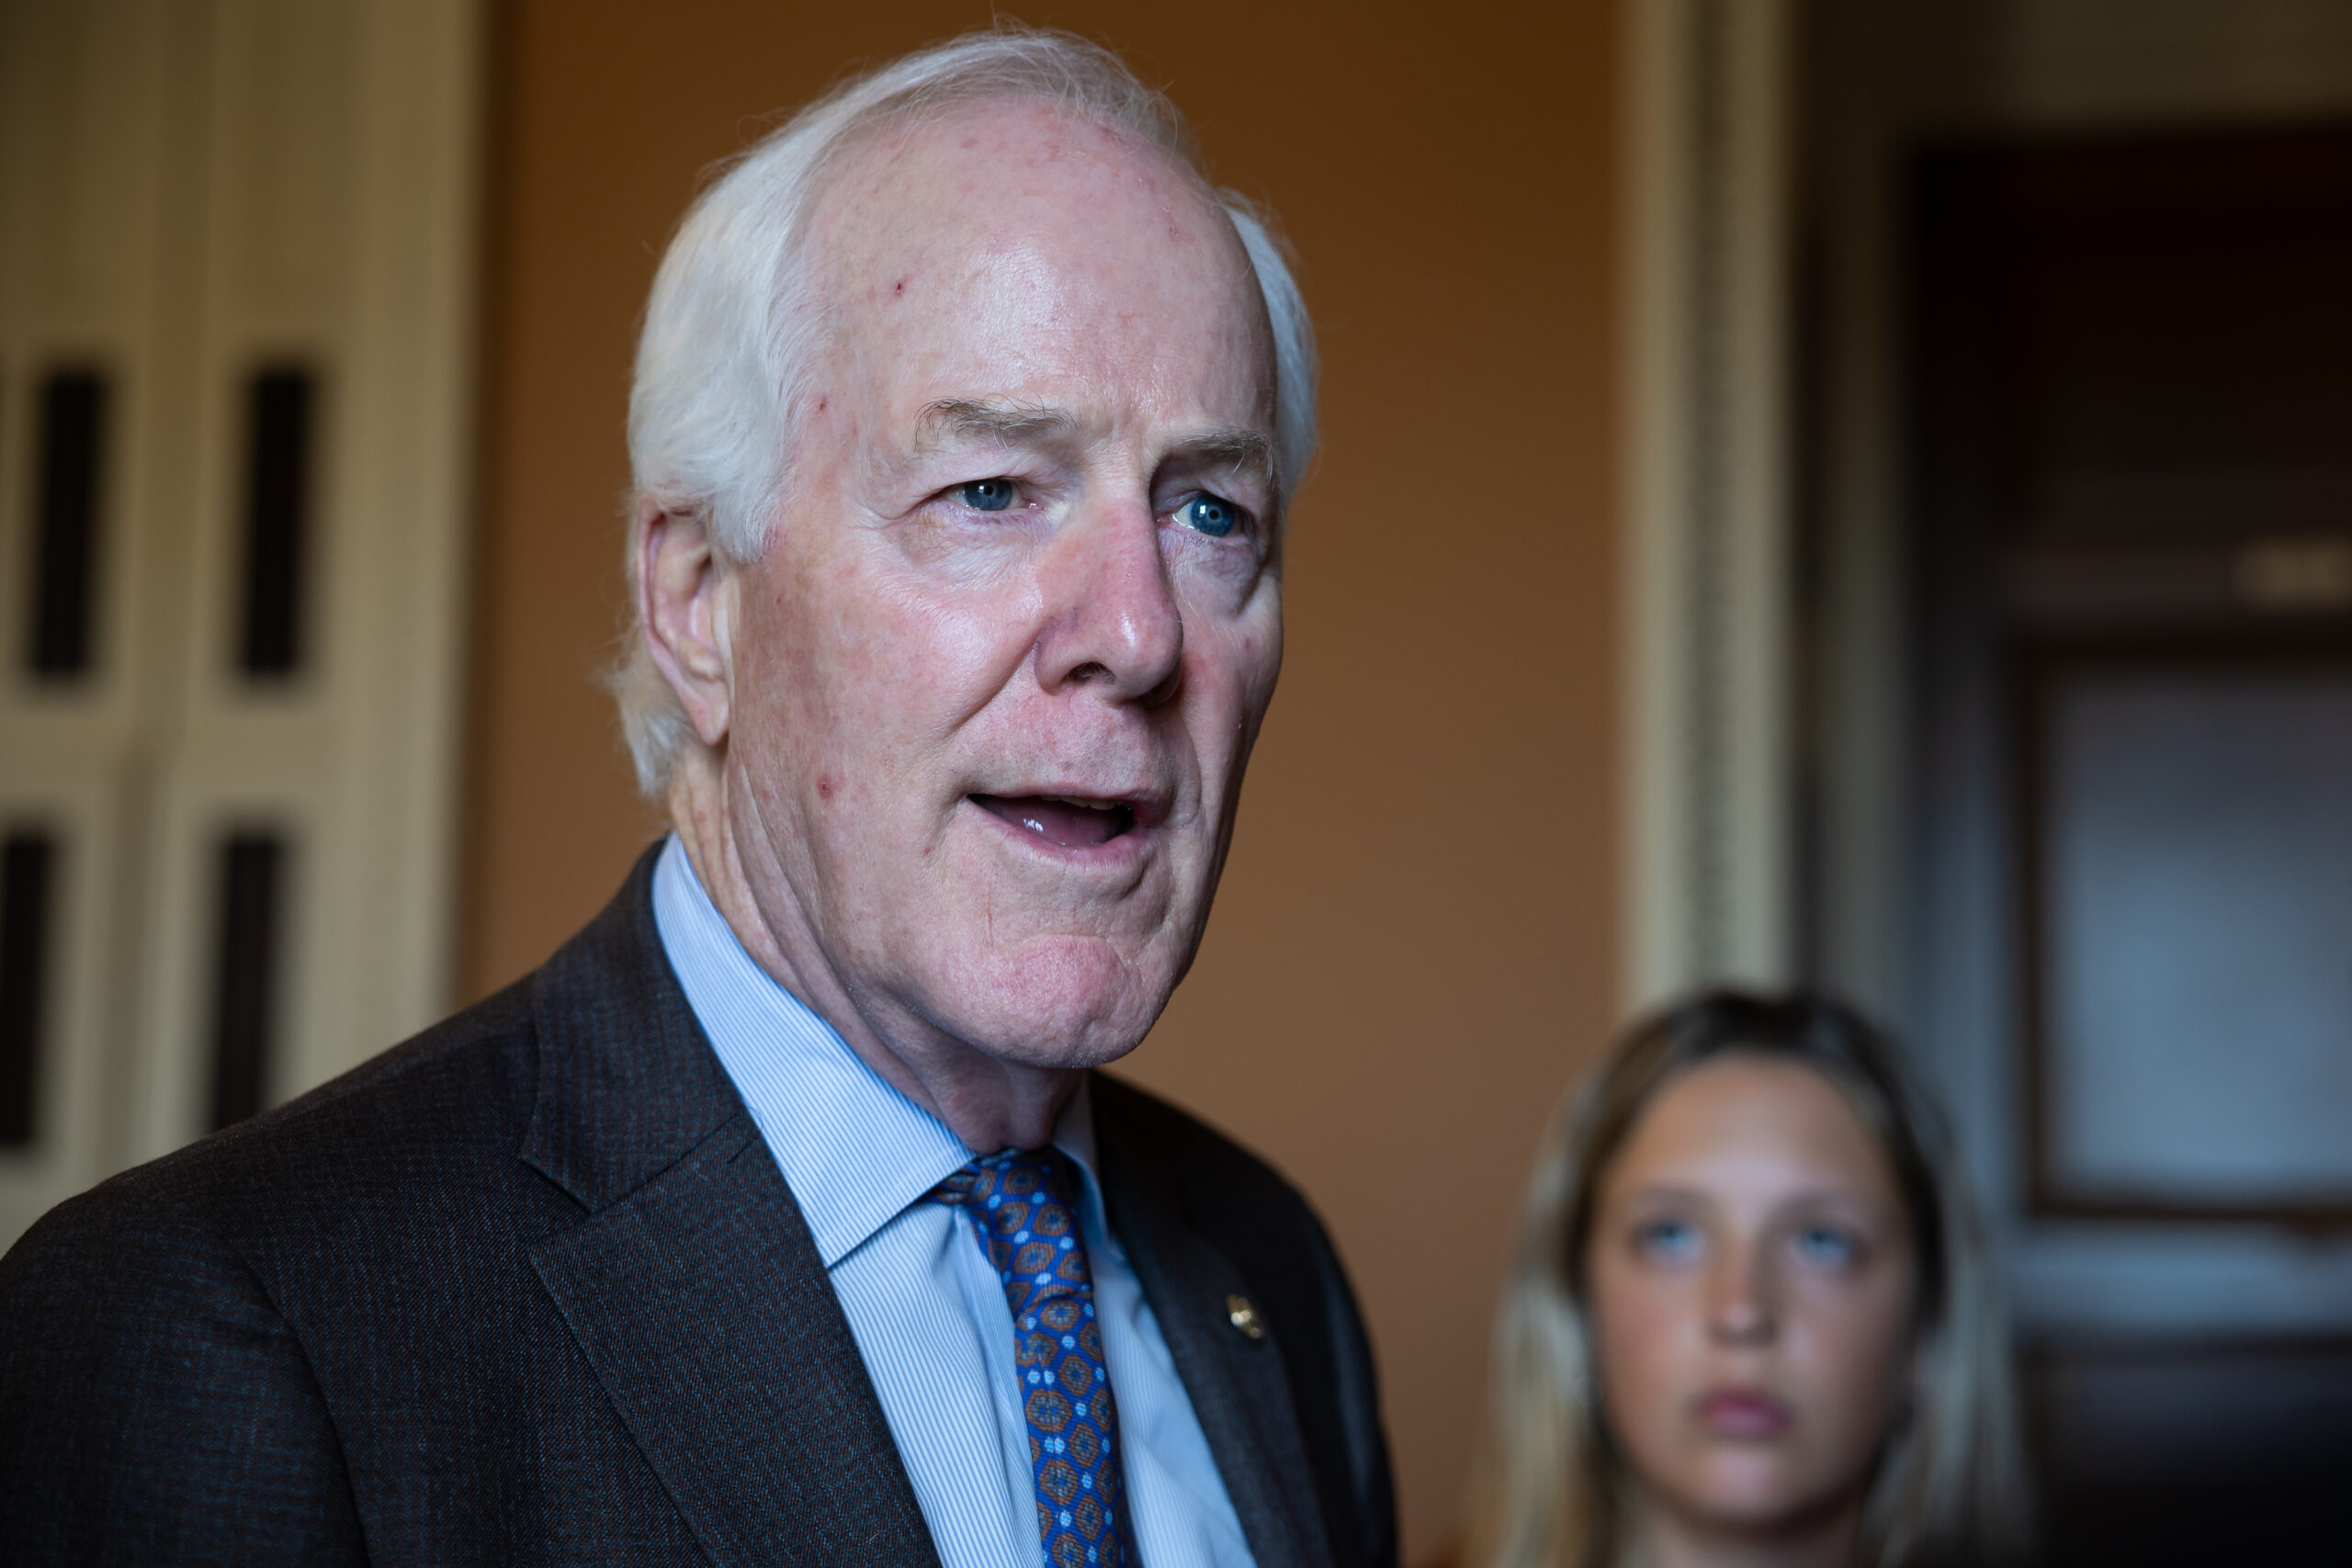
{"x":781,"y":1216}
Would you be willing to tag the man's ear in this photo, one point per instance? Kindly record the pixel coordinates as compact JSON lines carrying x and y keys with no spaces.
{"x":685,"y":604}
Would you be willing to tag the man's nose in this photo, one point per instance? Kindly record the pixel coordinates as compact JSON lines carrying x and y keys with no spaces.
{"x":1112,"y":617}
{"x":1740,"y":1307}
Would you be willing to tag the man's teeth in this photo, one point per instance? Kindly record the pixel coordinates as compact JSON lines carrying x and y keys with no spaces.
{"x":1084,"y":805}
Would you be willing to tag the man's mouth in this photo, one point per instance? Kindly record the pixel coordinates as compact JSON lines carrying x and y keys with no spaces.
{"x":1064,"y":820}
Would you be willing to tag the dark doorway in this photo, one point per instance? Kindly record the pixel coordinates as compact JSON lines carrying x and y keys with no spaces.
{"x":2132,"y":516}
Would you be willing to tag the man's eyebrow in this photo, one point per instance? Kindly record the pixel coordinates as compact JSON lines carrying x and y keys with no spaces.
{"x":1013,"y":425}
{"x":1237,"y":447}
{"x":986,"y":419}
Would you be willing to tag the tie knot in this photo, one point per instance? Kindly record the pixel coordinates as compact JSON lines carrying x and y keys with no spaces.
{"x":1027,"y":1177}
{"x":1023,"y":1208}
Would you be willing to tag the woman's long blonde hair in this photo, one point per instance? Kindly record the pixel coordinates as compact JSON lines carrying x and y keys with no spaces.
{"x":1547,"y":1489}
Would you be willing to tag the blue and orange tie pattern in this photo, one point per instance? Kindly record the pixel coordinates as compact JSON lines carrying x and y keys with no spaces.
{"x":1023,"y":1207}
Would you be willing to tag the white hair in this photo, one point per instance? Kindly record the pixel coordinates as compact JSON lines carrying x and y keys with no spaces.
{"x":729,"y":334}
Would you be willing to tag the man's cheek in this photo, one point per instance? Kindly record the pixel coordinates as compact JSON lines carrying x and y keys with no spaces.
{"x":1245,"y":636}
{"x":1228,"y":686}
{"x":942,"y":657}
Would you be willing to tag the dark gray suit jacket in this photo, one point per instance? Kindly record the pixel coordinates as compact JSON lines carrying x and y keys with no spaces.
{"x":528,"y":1288}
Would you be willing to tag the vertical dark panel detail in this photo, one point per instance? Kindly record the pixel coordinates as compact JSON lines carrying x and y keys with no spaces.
{"x":66,"y":528}
{"x":26,"y":863}
{"x":244,"y":1023}
{"x":277,"y":495}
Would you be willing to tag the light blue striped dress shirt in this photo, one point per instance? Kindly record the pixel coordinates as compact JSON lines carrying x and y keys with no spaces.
{"x":923,"y":1302}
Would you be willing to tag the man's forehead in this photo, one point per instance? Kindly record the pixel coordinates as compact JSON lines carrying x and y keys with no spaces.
{"x":969,"y":175}
{"x":984,"y":283}
{"x":1030,"y":129}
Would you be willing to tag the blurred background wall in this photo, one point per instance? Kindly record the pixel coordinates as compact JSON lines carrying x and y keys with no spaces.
{"x":1810,"y":491}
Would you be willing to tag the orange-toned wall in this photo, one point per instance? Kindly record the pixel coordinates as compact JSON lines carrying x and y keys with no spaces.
{"x":1417,"y":940}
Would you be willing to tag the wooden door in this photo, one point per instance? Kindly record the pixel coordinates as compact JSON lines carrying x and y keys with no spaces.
{"x":2132,"y":543}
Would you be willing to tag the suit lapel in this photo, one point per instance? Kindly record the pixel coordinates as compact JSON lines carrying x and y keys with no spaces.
{"x":1238,"y":1386}
{"x":694,"y":1288}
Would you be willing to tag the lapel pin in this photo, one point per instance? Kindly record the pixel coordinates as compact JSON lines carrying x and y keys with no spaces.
{"x":1243,"y":1316}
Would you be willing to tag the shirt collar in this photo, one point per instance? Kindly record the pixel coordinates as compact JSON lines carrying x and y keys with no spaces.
{"x":852,"y":1148}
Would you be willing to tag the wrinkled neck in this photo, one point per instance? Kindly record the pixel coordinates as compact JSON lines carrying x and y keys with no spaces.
{"x":988,"y":1102}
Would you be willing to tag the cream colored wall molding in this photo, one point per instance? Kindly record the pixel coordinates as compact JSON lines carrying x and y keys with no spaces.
{"x":1706,"y":356}
{"x":191,"y":190}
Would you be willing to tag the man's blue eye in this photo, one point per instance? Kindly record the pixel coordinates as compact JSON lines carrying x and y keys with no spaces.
{"x":1210,"y":514}
{"x":1671,"y":1241}
{"x":1825,"y":1245}
{"x":988,"y":495}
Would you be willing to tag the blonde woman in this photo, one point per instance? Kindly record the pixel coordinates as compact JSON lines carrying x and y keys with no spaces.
{"x":1749,"y":1321}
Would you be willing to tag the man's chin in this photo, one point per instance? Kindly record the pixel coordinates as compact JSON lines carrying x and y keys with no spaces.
{"x":1066,"y":1014}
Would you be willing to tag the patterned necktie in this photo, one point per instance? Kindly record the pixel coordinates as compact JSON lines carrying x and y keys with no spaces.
{"x":1023,"y":1207}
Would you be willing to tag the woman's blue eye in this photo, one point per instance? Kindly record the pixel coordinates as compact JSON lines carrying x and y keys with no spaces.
{"x":988,"y":495}
{"x":1210,"y":514}
{"x":1825,"y":1245}
{"x":1671,"y":1241}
